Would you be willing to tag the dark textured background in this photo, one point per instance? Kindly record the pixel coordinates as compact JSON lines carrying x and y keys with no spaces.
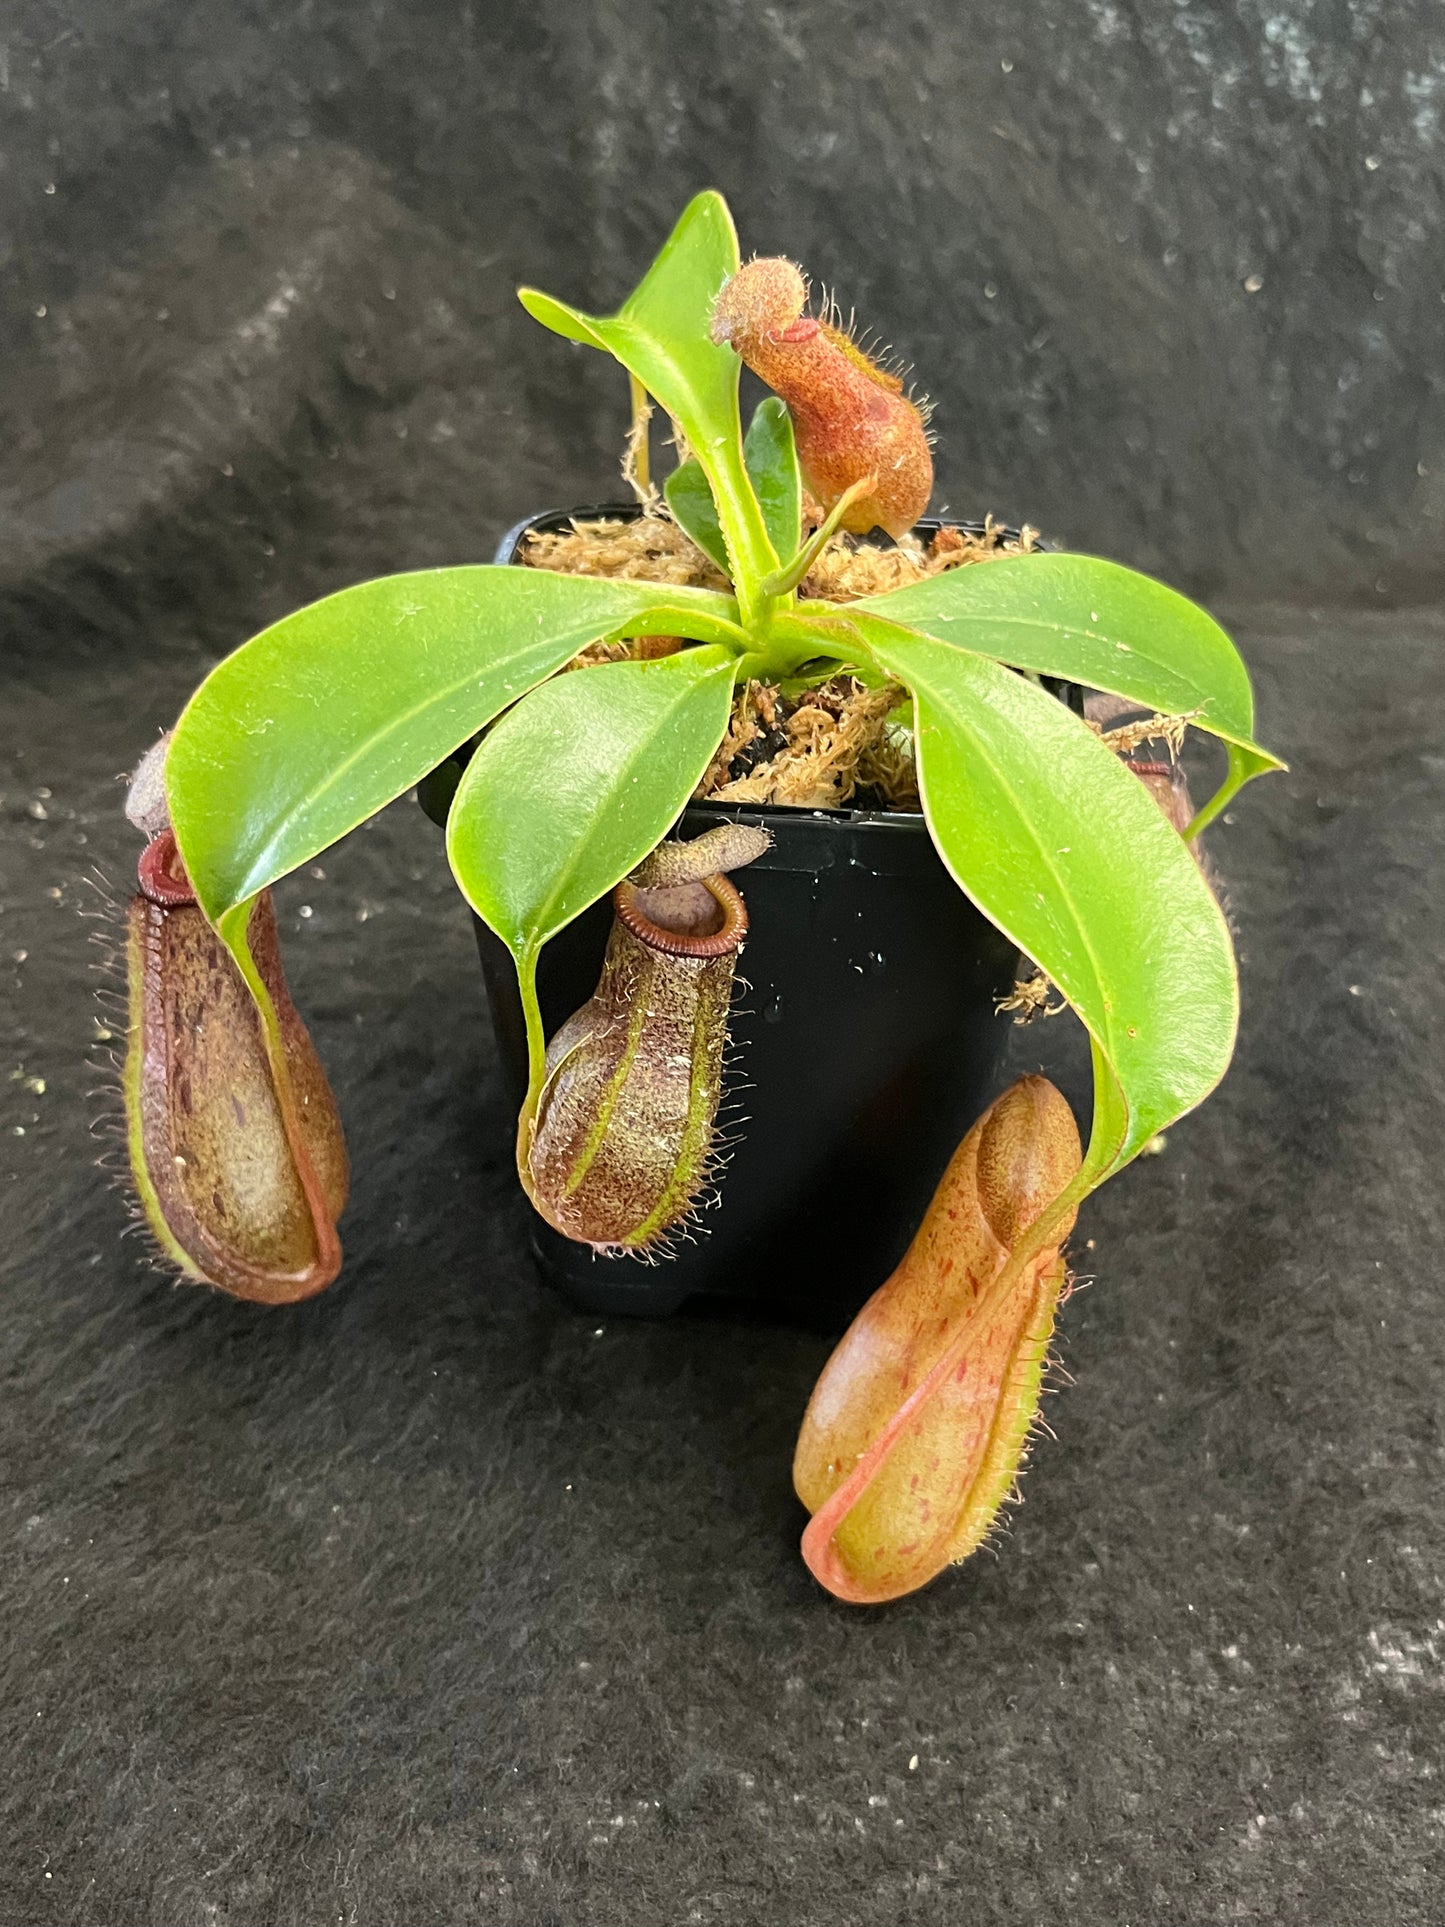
{"x":432,"y":1601}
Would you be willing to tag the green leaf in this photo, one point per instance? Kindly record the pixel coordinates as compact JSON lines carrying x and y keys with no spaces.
{"x":771,"y":456}
{"x":772,"y":464}
{"x":1093,"y":622}
{"x":695,"y":512}
{"x":1065,"y":850}
{"x":577,"y":783}
{"x":662,"y":335}
{"x":332,"y":712}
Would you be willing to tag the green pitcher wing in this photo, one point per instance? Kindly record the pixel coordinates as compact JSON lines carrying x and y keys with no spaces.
{"x":328,"y":715}
{"x":662,"y":335}
{"x":1064,"y":849}
{"x":1093,"y":622}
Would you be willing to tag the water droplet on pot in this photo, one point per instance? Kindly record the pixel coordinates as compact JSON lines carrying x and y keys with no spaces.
{"x":773,"y":1011}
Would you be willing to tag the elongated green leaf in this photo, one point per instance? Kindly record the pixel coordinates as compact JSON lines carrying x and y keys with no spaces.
{"x":577,"y":783}
{"x":662,"y":335}
{"x":695,"y":512}
{"x":1094,"y":623}
{"x":772,"y":463}
{"x":331,"y":713}
{"x":1067,"y":853}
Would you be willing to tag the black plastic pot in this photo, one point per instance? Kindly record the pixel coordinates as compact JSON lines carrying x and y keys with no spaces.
{"x":866,"y":1038}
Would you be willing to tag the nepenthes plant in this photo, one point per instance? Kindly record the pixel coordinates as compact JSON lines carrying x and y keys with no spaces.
{"x":578,"y":772}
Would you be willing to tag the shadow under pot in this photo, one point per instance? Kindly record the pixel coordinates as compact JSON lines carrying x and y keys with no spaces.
{"x":865,"y":1041}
